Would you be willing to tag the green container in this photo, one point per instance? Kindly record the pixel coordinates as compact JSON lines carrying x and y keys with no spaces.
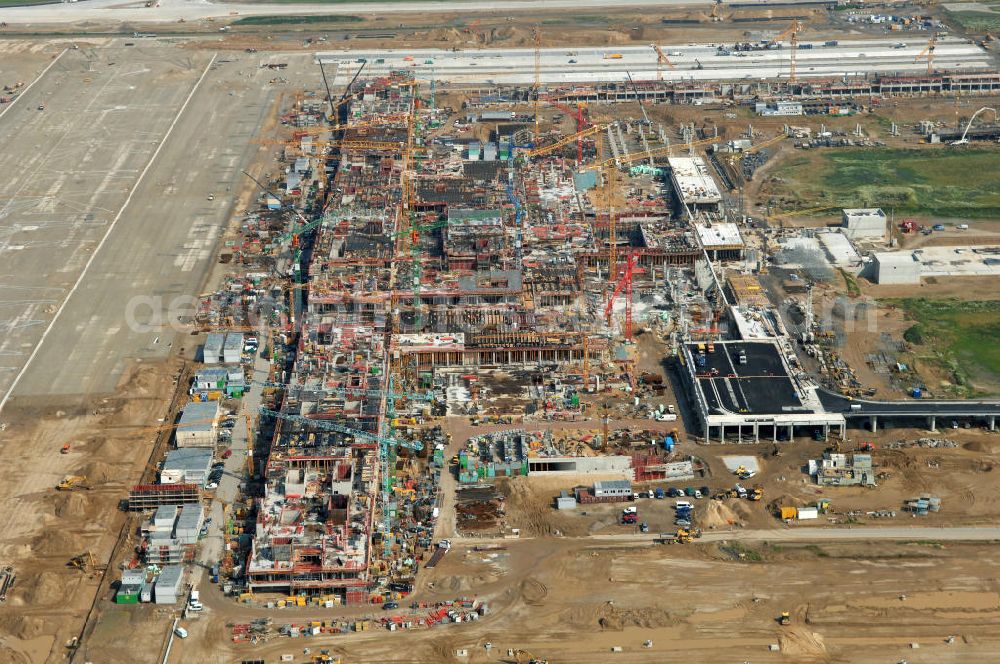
{"x":127,"y":598}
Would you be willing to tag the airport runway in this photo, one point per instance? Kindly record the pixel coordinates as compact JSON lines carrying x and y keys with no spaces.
{"x":691,"y":62}
{"x":169,"y":11}
{"x":128,"y":138}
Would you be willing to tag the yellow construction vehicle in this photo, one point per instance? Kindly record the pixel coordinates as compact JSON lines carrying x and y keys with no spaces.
{"x":785,"y":619}
{"x":756,"y":493}
{"x":525,"y":657}
{"x":71,"y":482}
{"x":325,"y":659}
{"x":81,"y":561}
{"x":742,"y":470}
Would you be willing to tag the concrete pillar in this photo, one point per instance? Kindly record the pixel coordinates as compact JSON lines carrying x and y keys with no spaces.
{"x":774,"y":433}
{"x":993,"y":423}
{"x":756,"y":432}
{"x":826,"y":431}
{"x":874,"y":424}
{"x":722,"y":433}
{"x":932,"y":421}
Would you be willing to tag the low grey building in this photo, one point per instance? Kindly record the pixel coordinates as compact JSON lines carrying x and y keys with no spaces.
{"x":168,"y":588}
{"x":198,"y":425}
{"x":212,"y":350}
{"x":612,"y":488}
{"x":186,"y":466}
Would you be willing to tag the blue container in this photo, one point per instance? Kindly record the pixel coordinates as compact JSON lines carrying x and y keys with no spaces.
{"x":917,"y":393}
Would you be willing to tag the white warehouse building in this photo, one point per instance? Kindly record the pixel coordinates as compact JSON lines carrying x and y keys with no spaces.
{"x":896,"y":267}
{"x":864,"y":223}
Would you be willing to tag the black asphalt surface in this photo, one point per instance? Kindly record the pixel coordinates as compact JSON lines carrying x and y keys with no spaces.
{"x":838,"y":403}
{"x":761,"y":386}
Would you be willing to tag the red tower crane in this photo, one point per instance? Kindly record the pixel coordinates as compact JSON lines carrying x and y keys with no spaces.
{"x":624,"y":283}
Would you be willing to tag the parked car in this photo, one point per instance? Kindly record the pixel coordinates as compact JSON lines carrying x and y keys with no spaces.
{"x":390,"y":605}
{"x":674,"y":492}
{"x":228,"y":453}
{"x":683,"y":523}
{"x":681,"y":504}
{"x":705,"y":491}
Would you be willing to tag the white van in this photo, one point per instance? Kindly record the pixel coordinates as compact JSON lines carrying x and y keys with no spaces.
{"x":181,"y":632}
{"x":683,"y":503}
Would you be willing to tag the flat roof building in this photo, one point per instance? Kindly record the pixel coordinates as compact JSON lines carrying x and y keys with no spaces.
{"x":721,"y":241}
{"x":693,"y":183}
{"x":186,"y":465}
{"x":198,"y":425}
{"x":896,"y":267}
{"x":864,"y":223}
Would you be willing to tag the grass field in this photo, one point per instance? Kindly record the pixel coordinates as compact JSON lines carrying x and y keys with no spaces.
{"x":941,"y":182}
{"x":960,"y":337}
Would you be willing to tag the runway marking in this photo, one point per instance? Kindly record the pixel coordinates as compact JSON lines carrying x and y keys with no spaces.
{"x":38,"y":78}
{"x":107,"y":234}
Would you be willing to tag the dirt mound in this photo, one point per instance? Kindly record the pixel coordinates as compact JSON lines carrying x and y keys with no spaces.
{"x":23,"y":627}
{"x":99,"y":472}
{"x":70,"y":505}
{"x":802,"y":643}
{"x":784,"y":500}
{"x":983,"y":447}
{"x":614,"y":619}
{"x":46,"y":588}
{"x":460,"y":583}
{"x":57,"y":542}
{"x":720,"y":515}
{"x":533,"y":591}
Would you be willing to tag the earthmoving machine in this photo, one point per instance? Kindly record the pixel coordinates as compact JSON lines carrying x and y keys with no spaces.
{"x":687,"y":535}
{"x":525,"y":657}
{"x":65,"y":449}
{"x":71,"y":482}
{"x":785,"y":619}
{"x":756,"y":493}
{"x":82,"y":561}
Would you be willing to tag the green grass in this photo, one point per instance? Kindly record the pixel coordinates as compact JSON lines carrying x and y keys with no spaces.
{"x":961,"y":337}
{"x":853,"y":290}
{"x":976,"y":21}
{"x":286,"y":20}
{"x":941,"y":182}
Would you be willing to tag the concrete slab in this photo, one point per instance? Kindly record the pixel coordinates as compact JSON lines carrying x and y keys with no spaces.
{"x":734,"y":462}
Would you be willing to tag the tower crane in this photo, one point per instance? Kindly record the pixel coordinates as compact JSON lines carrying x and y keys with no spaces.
{"x":928,"y":53}
{"x":792,"y":33}
{"x":661,"y":59}
{"x":566,"y":140}
{"x":624,"y":283}
{"x":414,"y":396}
{"x":327,"y":425}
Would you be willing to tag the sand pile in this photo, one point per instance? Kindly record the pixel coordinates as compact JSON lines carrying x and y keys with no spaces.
{"x":802,"y":644}
{"x":44,"y":589}
{"x":719,"y":514}
{"x":70,"y":505}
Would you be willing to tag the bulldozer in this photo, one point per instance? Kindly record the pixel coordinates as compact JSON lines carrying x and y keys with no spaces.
{"x":785,"y":619}
{"x":71,"y":482}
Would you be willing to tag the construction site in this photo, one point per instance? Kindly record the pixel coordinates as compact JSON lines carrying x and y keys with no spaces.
{"x":499,"y":339}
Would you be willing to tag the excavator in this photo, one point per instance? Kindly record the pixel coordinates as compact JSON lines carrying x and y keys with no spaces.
{"x":785,"y":619}
{"x":71,"y":482}
{"x":82,"y":561}
{"x":757,"y":493}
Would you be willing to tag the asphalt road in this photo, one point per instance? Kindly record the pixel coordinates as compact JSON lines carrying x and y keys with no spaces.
{"x":836,"y":403}
{"x":691,"y":61}
{"x":794,"y":534}
{"x":169,"y":11}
